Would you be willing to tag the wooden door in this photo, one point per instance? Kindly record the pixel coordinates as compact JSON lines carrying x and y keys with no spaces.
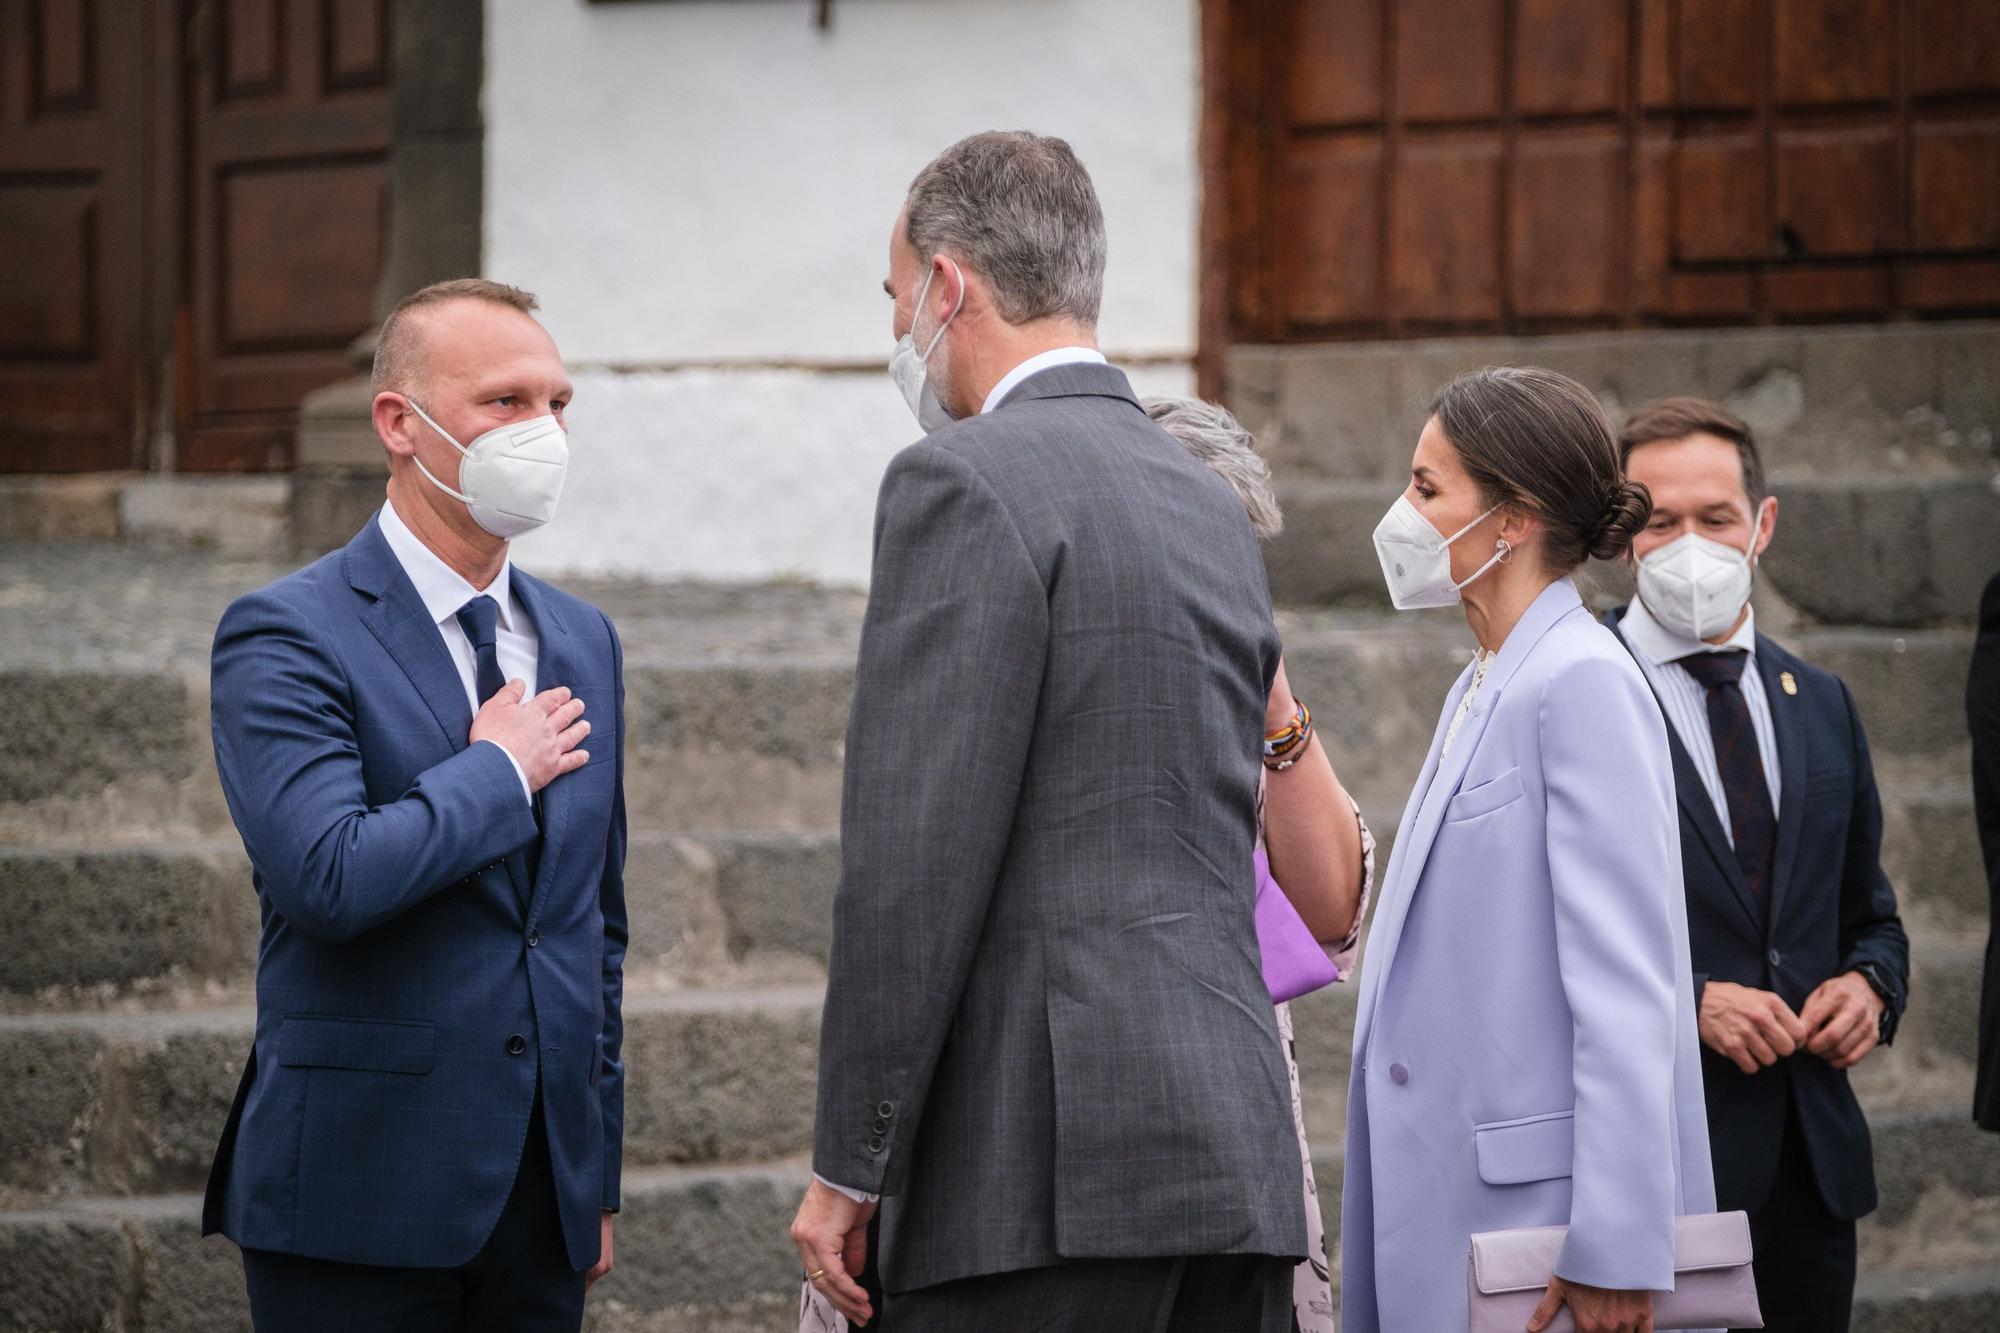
{"x":74,"y":374}
{"x":1409,"y":167}
{"x":288,"y":198}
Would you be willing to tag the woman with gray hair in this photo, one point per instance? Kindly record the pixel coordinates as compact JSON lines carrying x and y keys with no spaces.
{"x":1314,"y":848}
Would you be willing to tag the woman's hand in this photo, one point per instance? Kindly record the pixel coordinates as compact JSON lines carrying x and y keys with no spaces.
{"x":1595,"y":1309}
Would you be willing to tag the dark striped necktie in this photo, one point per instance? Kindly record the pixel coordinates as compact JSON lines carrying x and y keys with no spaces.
{"x":480,"y":619}
{"x":1752,"y":823}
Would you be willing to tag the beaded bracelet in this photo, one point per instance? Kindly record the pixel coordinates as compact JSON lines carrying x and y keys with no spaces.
{"x":1285,"y":746}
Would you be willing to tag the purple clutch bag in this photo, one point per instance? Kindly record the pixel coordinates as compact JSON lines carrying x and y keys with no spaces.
{"x":1713,"y":1284}
{"x":1295,"y":963}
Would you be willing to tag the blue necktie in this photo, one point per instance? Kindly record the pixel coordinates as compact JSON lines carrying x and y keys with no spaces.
{"x":480,"y":619}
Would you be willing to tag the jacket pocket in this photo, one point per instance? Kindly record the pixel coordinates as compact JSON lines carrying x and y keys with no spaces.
{"x":385,"y":1045}
{"x":1514,"y":1152}
{"x":1485,"y":798}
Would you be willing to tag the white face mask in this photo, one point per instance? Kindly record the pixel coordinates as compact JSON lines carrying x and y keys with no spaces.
{"x":910,"y":369}
{"x":1696,"y":587}
{"x":512,"y":475}
{"x":1416,"y":558}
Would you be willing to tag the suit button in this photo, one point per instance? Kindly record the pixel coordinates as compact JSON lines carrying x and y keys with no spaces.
{"x":875,"y":1144}
{"x":534,"y":938}
{"x":1398,"y":1075}
{"x":517,"y":1045}
{"x":881,"y":1127}
{"x":1774,"y":958}
{"x":886,"y":1109}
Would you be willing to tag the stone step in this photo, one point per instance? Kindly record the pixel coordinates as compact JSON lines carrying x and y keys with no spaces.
{"x":1885,"y":551}
{"x":1929,"y":1300}
{"x":136,"y":763}
{"x":698,"y":1249}
{"x":175,"y":924}
{"x":134,"y":1103}
{"x":1837,"y":400}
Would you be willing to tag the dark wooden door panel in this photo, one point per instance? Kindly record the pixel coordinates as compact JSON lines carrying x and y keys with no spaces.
{"x":289,"y":197}
{"x":73,"y":386}
{"x":1518,"y":165}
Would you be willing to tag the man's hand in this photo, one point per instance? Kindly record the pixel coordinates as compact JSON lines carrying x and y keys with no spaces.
{"x":1595,"y":1309}
{"x":831,"y":1232}
{"x":1843,"y":1020}
{"x":542,"y":734}
{"x":603,"y":1264}
{"x":1753,"y":1027}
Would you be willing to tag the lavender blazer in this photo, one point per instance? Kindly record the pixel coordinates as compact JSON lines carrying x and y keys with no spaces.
{"x":1524,"y":1048}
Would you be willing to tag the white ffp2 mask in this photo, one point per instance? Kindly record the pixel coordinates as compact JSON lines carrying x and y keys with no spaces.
{"x":1696,"y":587}
{"x":512,"y":475}
{"x":1416,"y":557}
{"x":910,"y":369}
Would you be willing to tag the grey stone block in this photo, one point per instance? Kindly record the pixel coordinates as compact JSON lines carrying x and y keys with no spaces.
{"x":126,"y":915}
{"x":187,"y":1283}
{"x":1930,"y":851}
{"x":68,"y":733}
{"x":1909,"y":688}
{"x":1376,"y":693}
{"x":61,"y":508}
{"x":125,"y":1104}
{"x":1326,"y":554}
{"x":63,"y":1274}
{"x":1886,"y":552}
{"x":1920,"y":1301}
{"x":720,"y":1076}
{"x":241,"y":517}
{"x":777,"y":891}
{"x":1912,"y":401}
{"x":1916,"y":1151}
{"x":1943,"y":1015}
{"x":695,"y":1238}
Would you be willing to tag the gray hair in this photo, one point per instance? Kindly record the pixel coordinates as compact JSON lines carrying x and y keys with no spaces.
{"x":1218,"y":440}
{"x":1020,"y":209}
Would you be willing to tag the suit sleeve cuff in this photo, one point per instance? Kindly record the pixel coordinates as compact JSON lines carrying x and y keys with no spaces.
{"x":859,"y":1196}
{"x":526,"y":790}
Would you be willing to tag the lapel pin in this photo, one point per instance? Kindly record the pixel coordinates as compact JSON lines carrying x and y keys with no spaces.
{"x":1791,"y":685}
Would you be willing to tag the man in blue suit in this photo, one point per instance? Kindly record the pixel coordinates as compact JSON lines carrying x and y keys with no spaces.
{"x":1801,"y":964}
{"x":427,"y":1134}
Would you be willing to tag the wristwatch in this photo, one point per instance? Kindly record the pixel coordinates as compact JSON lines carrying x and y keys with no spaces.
{"x":1885,"y":1025}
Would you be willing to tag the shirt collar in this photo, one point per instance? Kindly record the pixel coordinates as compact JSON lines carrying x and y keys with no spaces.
{"x":441,"y":588}
{"x":1661,"y":645}
{"x":1055,"y":356}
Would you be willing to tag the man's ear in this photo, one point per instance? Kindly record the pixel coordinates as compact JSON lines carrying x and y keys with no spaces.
{"x":393,"y":421}
{"x":1767,"y":522}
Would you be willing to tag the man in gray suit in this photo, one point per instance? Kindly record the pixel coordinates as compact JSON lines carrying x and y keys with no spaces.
{"x":1047,"y":1044}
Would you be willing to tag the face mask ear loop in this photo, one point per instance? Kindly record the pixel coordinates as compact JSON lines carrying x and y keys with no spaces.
{"x":1470,"y":526}
{"x":428,"y":475}
{"x":957,"y":305}
{"x":1500,"y":557}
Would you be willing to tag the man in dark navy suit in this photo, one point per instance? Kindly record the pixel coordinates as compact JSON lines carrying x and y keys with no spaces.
{"x":1801,"y":964}
{"x":427,"y":1135}
{"x":1982,"y":715}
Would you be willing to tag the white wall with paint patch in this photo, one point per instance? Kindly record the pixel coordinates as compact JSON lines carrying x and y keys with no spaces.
{"x":701,"y":192}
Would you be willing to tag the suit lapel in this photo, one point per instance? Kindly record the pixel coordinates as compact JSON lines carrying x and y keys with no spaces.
{"x":398,"y":619}
{"x":1419,"y":832}
{"x":554,"y":665}
{"x":1696,"y":804}
{"x":1792,"y":758}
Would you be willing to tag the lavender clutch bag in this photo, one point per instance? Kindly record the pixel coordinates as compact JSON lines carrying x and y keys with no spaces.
{"x":1509,"y":1272}
{"x":1295,"y":963}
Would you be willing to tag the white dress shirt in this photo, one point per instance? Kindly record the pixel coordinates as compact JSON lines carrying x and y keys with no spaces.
{"x":1685,"y":699}
{"x":1055,"y":356}
{"x":444,"y":592}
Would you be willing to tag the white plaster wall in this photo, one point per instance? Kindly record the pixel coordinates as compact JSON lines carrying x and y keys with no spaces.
{"x":701,"y":192}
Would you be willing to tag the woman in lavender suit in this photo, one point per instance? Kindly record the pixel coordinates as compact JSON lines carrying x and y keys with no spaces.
{"x":1524,"y":1048}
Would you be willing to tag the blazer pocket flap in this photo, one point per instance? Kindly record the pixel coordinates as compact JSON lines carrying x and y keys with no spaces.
{"x":389,"y":1046}
{"x":1515,"y":1152}
{"x":1524,"y":1258}
{"x":1484,"y":799}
